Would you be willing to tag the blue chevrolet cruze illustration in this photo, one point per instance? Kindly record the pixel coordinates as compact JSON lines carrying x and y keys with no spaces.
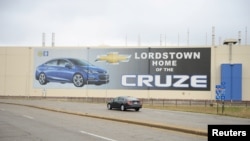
{"x":71,"y":70}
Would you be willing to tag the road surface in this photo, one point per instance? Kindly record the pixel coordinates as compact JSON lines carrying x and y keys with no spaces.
{"x":31,"y":124}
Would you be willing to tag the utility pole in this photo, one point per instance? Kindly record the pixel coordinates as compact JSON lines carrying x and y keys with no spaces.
{"x":43,"y":39}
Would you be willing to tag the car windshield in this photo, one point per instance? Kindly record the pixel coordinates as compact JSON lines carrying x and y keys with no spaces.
{"x":80,"y":62}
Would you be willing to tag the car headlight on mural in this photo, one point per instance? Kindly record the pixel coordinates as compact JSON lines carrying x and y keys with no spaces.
{"x":90,"y":71}
{"x":71,"y":70}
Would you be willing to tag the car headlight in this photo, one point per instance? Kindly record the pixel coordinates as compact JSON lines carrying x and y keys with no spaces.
{"x":90,"y":71}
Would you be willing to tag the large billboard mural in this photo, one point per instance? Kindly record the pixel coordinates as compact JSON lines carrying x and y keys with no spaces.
{"x":123,"y":68}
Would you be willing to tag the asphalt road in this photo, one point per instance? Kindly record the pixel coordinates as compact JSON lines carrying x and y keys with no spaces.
{"x":195,"y":124}
{"x":24,"y":123}
{"x":174,"y":118}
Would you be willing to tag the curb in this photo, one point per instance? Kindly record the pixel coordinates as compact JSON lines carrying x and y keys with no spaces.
{"x":155,"y":125}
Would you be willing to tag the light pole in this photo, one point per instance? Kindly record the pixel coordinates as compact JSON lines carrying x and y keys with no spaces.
{"x":230,"y":42}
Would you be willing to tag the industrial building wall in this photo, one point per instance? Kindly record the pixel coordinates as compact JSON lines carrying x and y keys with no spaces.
{"x":17,"y":72}
{"x":240,"y":55}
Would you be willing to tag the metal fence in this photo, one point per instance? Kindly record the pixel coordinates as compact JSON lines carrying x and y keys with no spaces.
{"x":150,"y":102}
{"x":169,"y":102}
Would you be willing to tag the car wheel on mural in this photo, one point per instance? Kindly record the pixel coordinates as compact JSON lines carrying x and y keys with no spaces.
{"x":78,"y":80}
{"x":71,"y":70}
{"x":42,"y":79}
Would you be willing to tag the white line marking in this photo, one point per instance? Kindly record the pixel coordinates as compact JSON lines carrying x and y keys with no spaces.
{"x":29,"y":117}
{"x":91,"y":134}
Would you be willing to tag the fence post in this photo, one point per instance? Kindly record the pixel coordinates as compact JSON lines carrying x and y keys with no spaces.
{"x":217,"y":106}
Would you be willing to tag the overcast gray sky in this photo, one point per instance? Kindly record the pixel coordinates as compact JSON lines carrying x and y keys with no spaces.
{"x":121,"y":22}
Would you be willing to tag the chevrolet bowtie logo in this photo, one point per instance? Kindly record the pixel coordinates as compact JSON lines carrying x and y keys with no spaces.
{"x":113,"y":58}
